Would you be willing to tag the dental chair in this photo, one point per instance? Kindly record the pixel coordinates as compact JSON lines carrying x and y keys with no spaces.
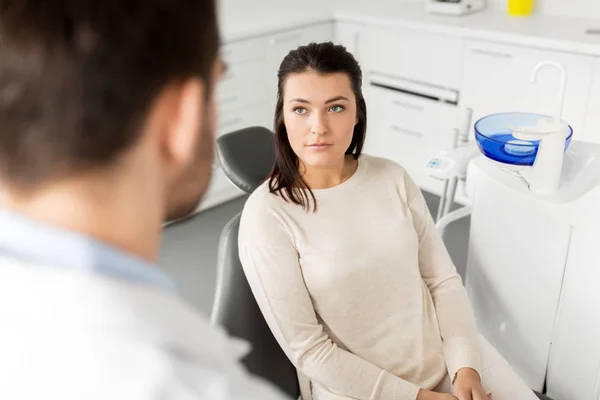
{"x":246,"y":157}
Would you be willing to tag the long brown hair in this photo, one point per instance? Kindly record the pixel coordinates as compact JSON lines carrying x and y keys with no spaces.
{"x":326,"y":58}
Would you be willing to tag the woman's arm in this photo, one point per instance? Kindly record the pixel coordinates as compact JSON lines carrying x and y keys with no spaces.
{"x":454,"y":312}
{"x":273,"y":271}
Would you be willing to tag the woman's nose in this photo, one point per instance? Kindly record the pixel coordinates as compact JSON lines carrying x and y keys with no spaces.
{"x":318,"y":124}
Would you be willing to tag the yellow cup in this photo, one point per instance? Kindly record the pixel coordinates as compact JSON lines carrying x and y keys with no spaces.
{"x":520,"y":8}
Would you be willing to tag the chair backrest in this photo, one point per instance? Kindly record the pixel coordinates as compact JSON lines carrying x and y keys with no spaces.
{"x":246,"y":157}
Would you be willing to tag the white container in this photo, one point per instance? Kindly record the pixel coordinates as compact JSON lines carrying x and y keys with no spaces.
{"x":462,"y":7}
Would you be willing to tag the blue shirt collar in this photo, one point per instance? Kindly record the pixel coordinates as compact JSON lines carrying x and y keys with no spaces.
{"x":41,"y":244}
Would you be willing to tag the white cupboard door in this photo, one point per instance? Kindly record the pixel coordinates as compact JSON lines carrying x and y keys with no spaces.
{"x":348,"y":35}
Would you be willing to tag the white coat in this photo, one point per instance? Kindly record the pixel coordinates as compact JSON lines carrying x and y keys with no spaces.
{"x":68,"y":335}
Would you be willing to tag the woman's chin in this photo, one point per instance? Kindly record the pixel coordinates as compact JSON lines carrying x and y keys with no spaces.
{"x":320,"y":160}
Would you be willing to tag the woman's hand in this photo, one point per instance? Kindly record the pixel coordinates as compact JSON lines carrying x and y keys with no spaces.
{"x":467,"y":386}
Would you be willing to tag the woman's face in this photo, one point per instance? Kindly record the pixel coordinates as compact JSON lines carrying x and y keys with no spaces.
{"x":319,"y":112}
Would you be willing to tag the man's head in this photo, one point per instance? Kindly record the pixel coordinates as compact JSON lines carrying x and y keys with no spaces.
{"x":104,"y":88}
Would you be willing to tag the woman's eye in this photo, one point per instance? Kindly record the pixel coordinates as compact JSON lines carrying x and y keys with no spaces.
{"x":337,"y":109}
{"x":300,"y":110}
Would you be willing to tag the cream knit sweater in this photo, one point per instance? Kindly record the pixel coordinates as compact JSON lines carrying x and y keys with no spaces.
{"x":362,"y":294}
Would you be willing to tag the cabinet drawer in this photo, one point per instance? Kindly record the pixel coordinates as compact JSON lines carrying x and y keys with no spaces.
{"x":420,"y":56}
{"x":416,"y":110}
{"x":244,"y":50}
{"x":410,"y":148}
{"x":252,"y":116}
{"x":241,"y":97}
{"x":409,"y":130}
{"x":241,"y":74}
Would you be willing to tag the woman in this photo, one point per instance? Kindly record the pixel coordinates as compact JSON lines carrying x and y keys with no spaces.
{"x":343,"y":258}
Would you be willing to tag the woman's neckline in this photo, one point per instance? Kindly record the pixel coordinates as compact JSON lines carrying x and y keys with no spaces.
{"x":351,"y":181}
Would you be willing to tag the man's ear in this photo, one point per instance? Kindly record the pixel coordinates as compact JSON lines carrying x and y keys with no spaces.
{"x":183,"y":111}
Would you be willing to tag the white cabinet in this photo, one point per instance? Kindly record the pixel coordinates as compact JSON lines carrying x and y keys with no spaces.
{"x":592,"y":120}
{"x":496,"y":79}
{"x":238,"y":99}
{"x":244,"y":85}
{"x":243,"y":118}
{"x":573,"y":371}
{"x":408,"y":126}
{"x":412,"y":96}
{"x":595,"y":86}
{"x":515,"y":273}
{"x":243,"y":50}
{"x":240,"y":102}
{"x":241,"y":73}
{"x":419,"y":56}
{"x":348,"y":35}
{"x":592,"y":126}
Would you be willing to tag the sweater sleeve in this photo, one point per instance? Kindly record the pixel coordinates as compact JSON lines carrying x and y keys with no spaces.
{"x":271,"y":264}
{"x":453,"y":308}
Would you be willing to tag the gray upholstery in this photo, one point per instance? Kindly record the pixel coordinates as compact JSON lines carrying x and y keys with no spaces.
{"x":246,"y":156}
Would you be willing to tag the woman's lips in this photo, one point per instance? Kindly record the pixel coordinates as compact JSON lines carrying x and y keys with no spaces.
{"x":319,"y":146}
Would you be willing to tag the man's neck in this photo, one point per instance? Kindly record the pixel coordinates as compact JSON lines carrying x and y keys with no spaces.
{"x":122,"y":217}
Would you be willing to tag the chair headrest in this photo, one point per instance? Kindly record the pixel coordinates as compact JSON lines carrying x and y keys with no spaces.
{"x":247,"y":156}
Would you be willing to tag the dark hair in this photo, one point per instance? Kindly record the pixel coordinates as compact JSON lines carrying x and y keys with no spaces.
{"x":325,"y":58}
{"x":77,"y":77}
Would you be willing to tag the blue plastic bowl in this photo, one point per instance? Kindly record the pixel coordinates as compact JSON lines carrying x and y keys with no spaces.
{"x":496,"y":141}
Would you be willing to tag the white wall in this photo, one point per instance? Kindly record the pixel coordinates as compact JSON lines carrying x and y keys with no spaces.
{"x":571,"y":8}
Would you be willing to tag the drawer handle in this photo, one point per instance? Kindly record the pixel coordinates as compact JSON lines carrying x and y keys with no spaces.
{"x":279,"y":40}
{"x":491,"y":53}
{"x":408,"y":105}
{"x":407,"y":132}
{"x":230,"y":122}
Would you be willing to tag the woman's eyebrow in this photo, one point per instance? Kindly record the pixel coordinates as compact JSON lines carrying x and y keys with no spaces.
{"x":336,"y":98}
